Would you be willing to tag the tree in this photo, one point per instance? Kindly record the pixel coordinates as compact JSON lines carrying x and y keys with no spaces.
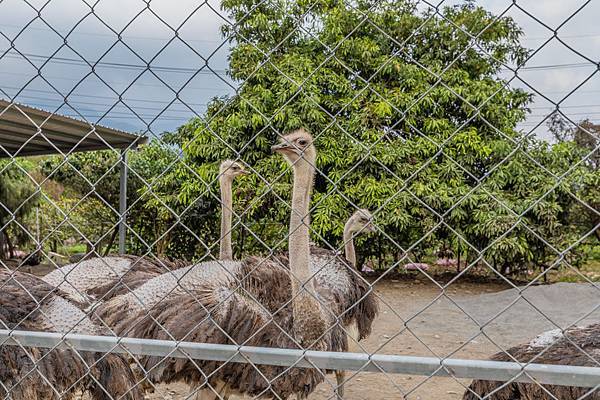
{"x":584,"y":138}
{"x":93,"y":178}
{"x":585,"y":134}
{"x":411,"y":121}
{"x":18,"y":197}
{"x":409,"y":116}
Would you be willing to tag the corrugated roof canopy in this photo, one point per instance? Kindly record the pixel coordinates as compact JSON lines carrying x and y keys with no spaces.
{"x":28,"y":131}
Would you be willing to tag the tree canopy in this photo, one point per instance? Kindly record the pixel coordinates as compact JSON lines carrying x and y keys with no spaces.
{"x":92,"y":178}
{"x":410,"y":119}
{"x":18,"y":197}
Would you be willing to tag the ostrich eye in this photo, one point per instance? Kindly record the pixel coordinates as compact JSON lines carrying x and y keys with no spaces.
{"x":302,"y":142}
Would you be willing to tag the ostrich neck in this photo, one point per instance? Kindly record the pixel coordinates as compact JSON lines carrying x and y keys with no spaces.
{"x":299,"y":239}
{"x":308,"y":319}
{"x":225,"y":251}
{"x":349,"y":246}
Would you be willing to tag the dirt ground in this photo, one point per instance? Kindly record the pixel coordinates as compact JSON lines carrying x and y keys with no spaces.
{"x":417,"y":319}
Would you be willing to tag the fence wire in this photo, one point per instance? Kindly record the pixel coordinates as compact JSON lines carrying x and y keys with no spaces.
{"x":440,"y":202}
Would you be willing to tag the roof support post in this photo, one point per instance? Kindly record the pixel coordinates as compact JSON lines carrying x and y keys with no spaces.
{"x":123,"y":202}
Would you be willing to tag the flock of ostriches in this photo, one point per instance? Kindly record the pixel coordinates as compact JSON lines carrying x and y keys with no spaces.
{"x":307,"y":298}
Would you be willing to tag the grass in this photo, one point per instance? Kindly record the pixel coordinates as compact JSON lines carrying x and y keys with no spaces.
{"x":70,"y":250}
{"x":591,"y":271}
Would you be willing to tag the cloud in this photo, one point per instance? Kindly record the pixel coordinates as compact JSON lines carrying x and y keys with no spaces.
{"x":552,"y":12}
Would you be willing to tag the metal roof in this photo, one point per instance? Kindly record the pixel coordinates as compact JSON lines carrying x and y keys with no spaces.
{"x":29,"y":131}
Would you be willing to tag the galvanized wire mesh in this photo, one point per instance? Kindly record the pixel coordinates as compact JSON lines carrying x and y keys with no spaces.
{"x":403,"y":357}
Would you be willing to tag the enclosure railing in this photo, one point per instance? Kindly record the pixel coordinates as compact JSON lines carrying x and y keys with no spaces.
{"x":566,"y":375}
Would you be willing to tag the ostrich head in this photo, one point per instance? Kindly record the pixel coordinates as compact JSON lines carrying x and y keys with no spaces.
{"x":361,"y":221}
{"x":295,"y":146}
{"x":231,"y":169}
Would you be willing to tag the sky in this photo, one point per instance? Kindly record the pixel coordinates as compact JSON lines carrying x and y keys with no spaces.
{"x":188,"y":70}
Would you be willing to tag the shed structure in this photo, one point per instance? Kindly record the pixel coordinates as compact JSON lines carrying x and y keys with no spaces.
{"x":29,"y":131}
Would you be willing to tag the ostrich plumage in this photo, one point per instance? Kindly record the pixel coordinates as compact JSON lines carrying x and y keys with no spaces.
{"x":107,"y":277}
{"x":559,"y":350}
{"x":239,"y":311}
{"x":28,"y":303}
{"x":340,"y":284}
{"x":262,"y":285}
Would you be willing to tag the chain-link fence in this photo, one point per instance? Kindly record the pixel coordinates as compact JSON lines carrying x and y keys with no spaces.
{"x":159,"y":164}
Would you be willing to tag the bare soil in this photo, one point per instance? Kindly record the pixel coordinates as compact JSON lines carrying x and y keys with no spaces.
{"x":418,"y":318}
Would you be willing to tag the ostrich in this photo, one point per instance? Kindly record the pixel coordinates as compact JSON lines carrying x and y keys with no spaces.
{"x":228,"y":171}
{"x":360,"y":221}
{"x":257,"y":301}
{"x":360,"y":303}
{"x":357,"y":311}
{"x":137,"y":276}
{"x":348,"y":284}
{"x":577,"y":346}
{"x":28,"y":303}
{"x":107,"y":277}
{"x":147,"y":292}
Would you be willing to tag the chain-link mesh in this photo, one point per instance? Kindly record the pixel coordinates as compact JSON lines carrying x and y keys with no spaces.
{"x":452,"y":168}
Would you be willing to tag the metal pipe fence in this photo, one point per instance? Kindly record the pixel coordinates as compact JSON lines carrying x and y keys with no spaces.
{"x":426,"y":366}
{"x":446,"y":173}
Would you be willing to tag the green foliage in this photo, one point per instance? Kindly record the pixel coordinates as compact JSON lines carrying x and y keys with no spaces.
{"x":17,"y":189}
{"x":18,"y":197}
{"x":60,"y":219}
{"x":583,"y":140}
{"x":92,"y":197}
{"x":411,"y":120}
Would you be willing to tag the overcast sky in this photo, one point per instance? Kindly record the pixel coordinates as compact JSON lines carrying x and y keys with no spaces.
{"x":554,"y":71}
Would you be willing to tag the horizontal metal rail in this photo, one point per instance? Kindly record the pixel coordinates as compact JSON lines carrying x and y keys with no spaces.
{"x":427,"y":366}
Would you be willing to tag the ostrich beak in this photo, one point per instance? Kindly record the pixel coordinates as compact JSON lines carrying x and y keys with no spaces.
{"x":282,"y":146}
